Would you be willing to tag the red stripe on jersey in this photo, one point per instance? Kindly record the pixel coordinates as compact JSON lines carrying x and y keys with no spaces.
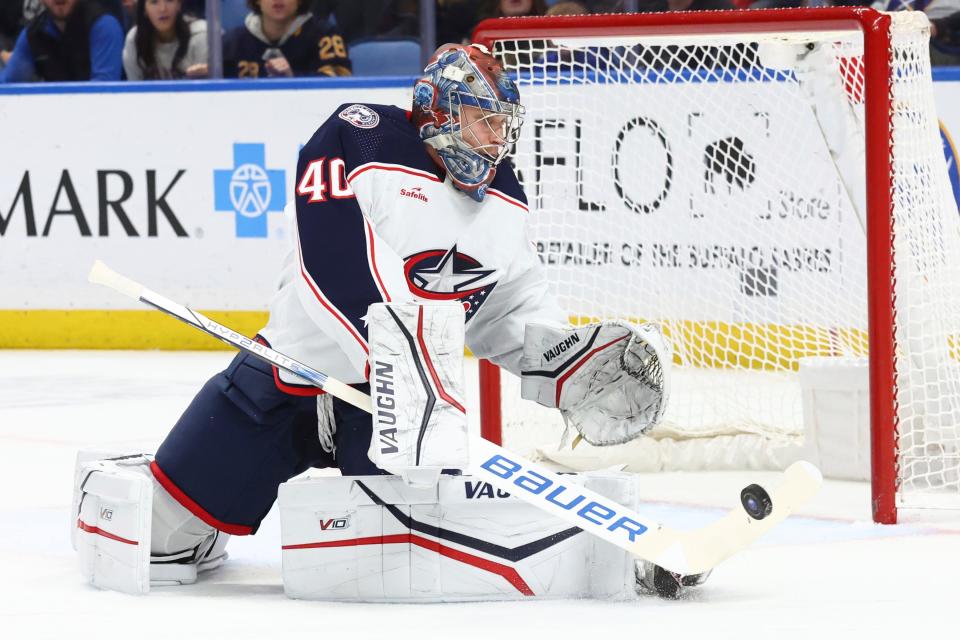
{"x":373,"y":262}
{"x":326,"y":304}
{"x":193,"y":507}
{"x":507,"y":199}
{"x":391,"y":167}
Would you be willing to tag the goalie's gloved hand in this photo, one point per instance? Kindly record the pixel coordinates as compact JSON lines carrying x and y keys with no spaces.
{"x":610,"y":380}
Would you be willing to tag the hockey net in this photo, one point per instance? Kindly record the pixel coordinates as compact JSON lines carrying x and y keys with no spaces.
{"x":767,"y":186}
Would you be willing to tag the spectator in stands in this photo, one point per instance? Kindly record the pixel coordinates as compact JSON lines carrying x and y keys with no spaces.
{"x":71,"y":40}
{"x":589,"y":59}
{"x":11,"y":21}
{"x":31,"y":8}
{"x":696,"y":57}
{"x":195,"y":8}
{"x":567,"y":9}
{"x":129,"y":11}
{"x":456,"y":20}
{"x":944,"y":35}
{"x":698,"y":5}
{"x":14,"y":15}
{"x":381,"y":19}
{"x":612,"y":6}
{"x":164,"y":44}
{"x":517,"y":8}
{"x":769,"y":4}
{"x":281,"y":38}
{"x":520,"y":58}
{"x":945,"y":39}
{"x":405,"y":22}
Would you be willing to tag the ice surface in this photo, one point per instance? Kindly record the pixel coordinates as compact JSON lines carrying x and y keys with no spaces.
{"x":828,"y":573}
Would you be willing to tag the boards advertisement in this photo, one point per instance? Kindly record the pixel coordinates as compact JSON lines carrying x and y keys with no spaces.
{"x":183,"y":187}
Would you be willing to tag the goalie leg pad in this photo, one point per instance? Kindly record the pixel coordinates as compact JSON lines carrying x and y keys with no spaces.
{"x":111,"y":533}
{"x":130,"y":533}
{"x":379,"y":539}
{"x":417,"y":389}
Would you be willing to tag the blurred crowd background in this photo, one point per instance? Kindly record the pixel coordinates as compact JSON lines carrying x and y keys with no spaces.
{"x":138,"y":40}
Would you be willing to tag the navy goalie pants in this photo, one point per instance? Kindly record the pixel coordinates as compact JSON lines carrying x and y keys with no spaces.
{"x":242,"y":436}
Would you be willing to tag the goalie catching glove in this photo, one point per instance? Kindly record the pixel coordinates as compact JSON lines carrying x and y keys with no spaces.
{"x":610,"y":380}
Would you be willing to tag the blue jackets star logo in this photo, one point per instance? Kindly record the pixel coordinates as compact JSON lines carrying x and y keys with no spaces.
{"x":440,"y":274}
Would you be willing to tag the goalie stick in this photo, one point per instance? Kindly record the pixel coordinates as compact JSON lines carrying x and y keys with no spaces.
{"x":682,"y":552}
{"x":101,"y":274}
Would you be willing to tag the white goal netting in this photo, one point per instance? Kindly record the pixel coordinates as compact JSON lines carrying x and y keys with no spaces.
{"x":716,"y":185}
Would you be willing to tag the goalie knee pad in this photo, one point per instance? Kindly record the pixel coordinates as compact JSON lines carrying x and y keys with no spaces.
{"x":130,"y":533}
{"x":416,"y":388}
{"x":380,"y":539}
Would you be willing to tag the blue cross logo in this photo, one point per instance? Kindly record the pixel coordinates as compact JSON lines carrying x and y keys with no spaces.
{"x":249,"y":190}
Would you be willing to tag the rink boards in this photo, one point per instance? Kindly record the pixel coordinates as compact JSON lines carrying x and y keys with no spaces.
{"x":183,"y":185}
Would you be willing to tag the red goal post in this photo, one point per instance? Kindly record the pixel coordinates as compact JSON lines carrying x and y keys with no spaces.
{"x":875,"y":64}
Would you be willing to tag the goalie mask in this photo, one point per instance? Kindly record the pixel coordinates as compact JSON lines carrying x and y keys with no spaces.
{"x":468,"y":110}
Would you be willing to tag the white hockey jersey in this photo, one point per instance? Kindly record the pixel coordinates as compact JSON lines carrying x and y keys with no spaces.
{"x":376,"y":220}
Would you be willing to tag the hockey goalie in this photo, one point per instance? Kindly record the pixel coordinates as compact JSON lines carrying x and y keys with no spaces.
{"x":409,"y":244}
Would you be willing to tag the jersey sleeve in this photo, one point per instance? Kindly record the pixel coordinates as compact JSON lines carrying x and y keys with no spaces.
{"x":20,"y":67}
{"x":521,"y":297}
{"x":106,"y":49}
{"x":344,"y":266}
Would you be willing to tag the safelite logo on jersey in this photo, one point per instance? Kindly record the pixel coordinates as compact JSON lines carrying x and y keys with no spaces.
{"x":416,"y":192}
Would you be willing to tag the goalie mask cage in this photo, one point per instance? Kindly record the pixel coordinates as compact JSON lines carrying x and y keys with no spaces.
{"x":767,"y":186}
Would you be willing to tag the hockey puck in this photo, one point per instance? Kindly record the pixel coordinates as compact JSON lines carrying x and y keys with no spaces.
{"x":756,"y":501}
